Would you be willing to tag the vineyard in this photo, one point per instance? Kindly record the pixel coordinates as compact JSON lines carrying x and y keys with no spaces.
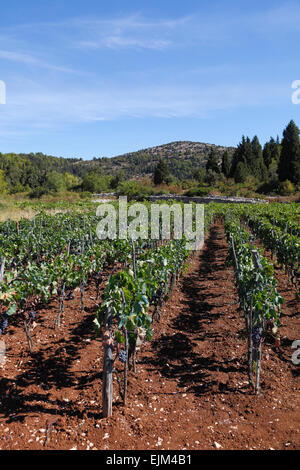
{"x":143,"y":344}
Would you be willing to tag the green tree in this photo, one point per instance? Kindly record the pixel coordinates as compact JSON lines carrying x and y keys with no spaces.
{"x":257,"y":168}
{"x":238,"y":156}
{"x":95,"y":182}
{"x":55,"y":182}
{"x":212,"y":162}
{"x":117,"y":180}
{"x":3,"y":183}
{"x":199,"y":175}
{"x":241,"y":173}
{"x":267,"y":154}
{"x":226,"y":164}
{"x":71,"y":181}
{"x":271,"y":156}
{"x":286,"y":188}
{"x":289,"y":163}
{"x":133,"y":189}
{"x":161,"y":173}
{"x":250,"y":155}
{"x":211,"y":177}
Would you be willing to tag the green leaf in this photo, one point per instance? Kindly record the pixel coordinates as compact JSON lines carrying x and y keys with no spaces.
{"x":119,"y":337}
{"x":12,"y":310}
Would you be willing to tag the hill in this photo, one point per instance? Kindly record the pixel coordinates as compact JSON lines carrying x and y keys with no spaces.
{"x":29,"y":171}
{"x":183,"y":158}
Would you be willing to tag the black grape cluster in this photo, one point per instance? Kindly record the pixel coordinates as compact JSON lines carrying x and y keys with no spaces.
{"x":122,"y":355}
{"x":70,"y":296}
{"x":32,"y":315}
{"x":29,"y":317}
{"x":3,"y":323}
{"x":256,"y":336}
{"x":157,"y":296}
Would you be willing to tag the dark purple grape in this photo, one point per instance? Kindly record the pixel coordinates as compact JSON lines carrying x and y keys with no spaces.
{"x":122,"y":356}
{"x":256,"y":336}
{"x":3,"y":323}
{"x":70,"y":296}
{"x":32,"y":315}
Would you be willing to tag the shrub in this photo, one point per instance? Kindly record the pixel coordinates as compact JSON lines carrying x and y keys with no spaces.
{"x":37,"y":193}
{"x":85,"y":195}
{"x":286,"y":188}
{"x":199,"y":191}
{"x":134,"y":190}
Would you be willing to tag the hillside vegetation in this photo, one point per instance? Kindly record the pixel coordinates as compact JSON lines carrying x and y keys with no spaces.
{"x":181,"y":157}
{"x":199,"y":168}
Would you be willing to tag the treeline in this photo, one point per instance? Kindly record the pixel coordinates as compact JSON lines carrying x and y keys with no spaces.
{"x":28,"y":172}
{"x":274,"y":167}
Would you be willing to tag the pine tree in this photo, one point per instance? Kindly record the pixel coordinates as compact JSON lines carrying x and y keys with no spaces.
{"x":249,"y":156}
{"x":241,"y":173}
{"x":238,"y":156}
{"x":275,"y":149}
{"x":226,"y":164}
{"x":267,"y":154}
{"x":212,"y":162}
{"x":289,"y":163}
{"x":258,"y":168}
{"x":199,"y":175}
{"x":161,"y":173}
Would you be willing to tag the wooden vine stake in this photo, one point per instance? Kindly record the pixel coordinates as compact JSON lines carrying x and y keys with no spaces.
{"x":134,"y":273}
{"x":238,"y":274}
{"x":61,"y":305}
{"x":107,"y":390}
{"x":2,"y":269}
{"x":133,"y":257}
{"x":173,"y":281}
{"x":234,"y":255}
{"x":250,"y":344}
{"x":126,"y":351}
{"x":82,"y":283}
{"x":258,"y":266}
{"x":28,"y":335}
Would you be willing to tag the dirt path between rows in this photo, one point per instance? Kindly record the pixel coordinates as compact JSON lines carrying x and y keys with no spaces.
{"x":191,"y":390}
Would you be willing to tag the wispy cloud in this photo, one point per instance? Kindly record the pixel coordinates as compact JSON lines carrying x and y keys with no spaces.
{"x":138,"y":32}
{"x":39,"y":109}
{"x":127,"y":32}
{"x":31,"y":60}
{"x":182,"y":88}
{"x":117,"y":42}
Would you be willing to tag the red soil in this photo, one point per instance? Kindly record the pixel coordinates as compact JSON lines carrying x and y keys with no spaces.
{"x":191,"y":390}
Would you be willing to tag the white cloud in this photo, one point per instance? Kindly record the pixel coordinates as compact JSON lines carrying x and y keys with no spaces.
{"x":31,"y":60}
{"x":138,"y":32}
{"x":117,"y":42}
{"x":43,"y":109}
{"x":60,"y":104}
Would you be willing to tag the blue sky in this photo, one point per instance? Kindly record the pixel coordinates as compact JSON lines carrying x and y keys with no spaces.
{"x":93,"y":78}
